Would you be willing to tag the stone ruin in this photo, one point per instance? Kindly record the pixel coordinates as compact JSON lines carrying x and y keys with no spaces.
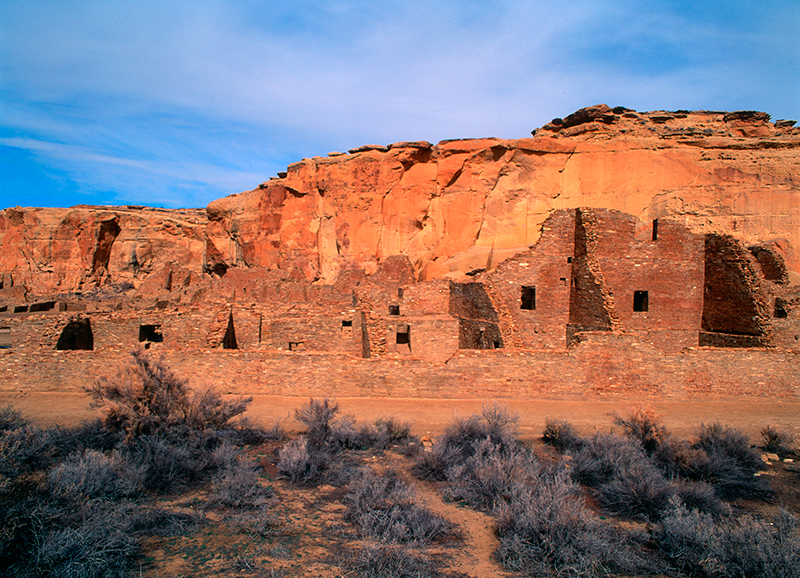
{"x":293,"y":289}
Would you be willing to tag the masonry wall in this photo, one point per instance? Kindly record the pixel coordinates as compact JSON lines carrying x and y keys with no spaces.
{"x":547,"y":270}
{"x":666,"y":269}
{"x":602,"y":366}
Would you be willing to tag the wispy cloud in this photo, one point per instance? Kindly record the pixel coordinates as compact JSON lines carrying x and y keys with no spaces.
{"x":155,"y":102}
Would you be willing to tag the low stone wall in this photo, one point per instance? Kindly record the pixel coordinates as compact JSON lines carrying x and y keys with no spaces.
{"x":602,"y":366}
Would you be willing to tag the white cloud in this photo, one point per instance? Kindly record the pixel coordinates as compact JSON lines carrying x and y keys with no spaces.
{"x":175,"y":96}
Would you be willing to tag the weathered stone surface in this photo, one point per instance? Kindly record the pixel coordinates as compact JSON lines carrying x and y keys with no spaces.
{"x":452,"y":208}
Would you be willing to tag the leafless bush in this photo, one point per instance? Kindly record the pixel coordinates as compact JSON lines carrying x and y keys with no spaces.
{"x":93,"y":474}
{"x":300,"y":463}
{"x":636,"y":490}
{"x":487,"y":476}
{"x":545,"y":529}
{"x":644,"y":425}
{"x":391,"y":561}
{"x":319,"y":418}
{"x":147,"y":397}
{"x":776,"y":441}
{"x":99,"y":545}
{"x":169,"y":465}
{"x":433,"y":465}
{"x":387,"y":509}
{"x":730,"y":442}
{"x":237,"y":486}
{"x":560,"y":434}
{"x":699,"y":544}
{"x":11,"y":419}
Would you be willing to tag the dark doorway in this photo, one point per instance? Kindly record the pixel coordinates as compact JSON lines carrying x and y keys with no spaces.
{"x":403,"y":335}
{"x":76,"y":335}
{"x":229,"y":341}
{"x":640,"y":301}
{"x":394,"y":310}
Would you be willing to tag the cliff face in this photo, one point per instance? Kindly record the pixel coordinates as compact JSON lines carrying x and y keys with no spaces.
{"x":451,"y":208}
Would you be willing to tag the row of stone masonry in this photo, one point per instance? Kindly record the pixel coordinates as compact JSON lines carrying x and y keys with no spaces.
{"x":592,"y":271}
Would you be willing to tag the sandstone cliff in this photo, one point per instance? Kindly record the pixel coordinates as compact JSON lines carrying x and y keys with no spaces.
{"x":456,"y":207}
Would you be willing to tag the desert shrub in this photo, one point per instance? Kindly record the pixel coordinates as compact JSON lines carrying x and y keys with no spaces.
{"x":319,"y":419}
{"x":725,"y":441}
{"x":546,"y":529}
{"x":625,"y":480}
{"x":24,"y":450}
{"x":643,"y":425}
{"x":99,"y":544}
{"x":386,"y":509}
{"x":147,"y":397}
{"x":487,"y":476}
{"x":561,"y":435}
{"x":699,"y":496}
{"x":237,"y":486}
{"x":11,"y":419}
{"x":301,"y":464}
{"x":433,"y":465}
{"x":461,"y":439}
{"x":723,"y":458}
{"x":246,"y":433}
{"x":698,"y":544}
{"x":636,"y":490}
{"x":169,"y":464}
{"x":776,"y":441}
{"x":93,"y":474}
{"x":88,"y":435}
{"x":390,"y":561}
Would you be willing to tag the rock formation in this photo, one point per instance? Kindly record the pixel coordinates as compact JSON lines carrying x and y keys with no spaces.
{"x":453,"y":208}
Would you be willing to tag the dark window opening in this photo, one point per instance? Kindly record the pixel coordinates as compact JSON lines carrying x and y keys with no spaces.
{"x":150,"y":334}
{"x":296,"y":345}
{"x":563,"y":281}
{"x":46,"y":306}
{"x":497,"y":344}
{"x":575,"y":282}
{"x":655,"y":229}
{"x":347,"y":323}
{"x":5,"y":338}
{"x":780,"y":309}
{"x":394,"y":310}
{"x":4,"y":308}
{"x":569,"y":259}
{"x":76,"y":335}
{"x":229,"y":341}
{"x":399,"y":292}
{"x":21,"y":309}
{"x":403,"y":335}
{"x":640,"y":301}
{"x":528,"y":298}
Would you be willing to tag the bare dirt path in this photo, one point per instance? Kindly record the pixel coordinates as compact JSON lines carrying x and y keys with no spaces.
{"x":430,"y":416}
{"x":475,"y":558}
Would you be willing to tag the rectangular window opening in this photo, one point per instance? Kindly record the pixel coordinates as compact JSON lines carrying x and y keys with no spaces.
{"x":563,"y":281}
{"x":528,"y":298}
{"x":296,"y":346}
{"x":150,"y":333}
{"x":394,"y":310}
{"x":403,"y":335}
{"x":640,"y":299}
{"x":655,"y":229}
{"x":399,"y":292}
{"x":569,"y":259}
{"x":347,"y":322}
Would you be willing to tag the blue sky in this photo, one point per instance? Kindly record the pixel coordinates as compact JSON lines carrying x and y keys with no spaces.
{"x":174,"y":104}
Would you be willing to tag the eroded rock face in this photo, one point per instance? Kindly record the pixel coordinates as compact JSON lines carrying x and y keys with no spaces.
{"x":457,"y":207}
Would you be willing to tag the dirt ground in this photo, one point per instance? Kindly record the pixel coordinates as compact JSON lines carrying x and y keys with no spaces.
{"x":311,"y":536}
{"x":430,"y":416}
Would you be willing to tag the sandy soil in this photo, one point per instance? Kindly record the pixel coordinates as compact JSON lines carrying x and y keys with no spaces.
{"x":430,"y":416}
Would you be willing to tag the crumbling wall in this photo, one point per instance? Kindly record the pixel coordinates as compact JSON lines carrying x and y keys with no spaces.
{"x":531,"y":291}
{"x":591,"y":302}
{"x":736,"y":308}
{"x":478,"y":322}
